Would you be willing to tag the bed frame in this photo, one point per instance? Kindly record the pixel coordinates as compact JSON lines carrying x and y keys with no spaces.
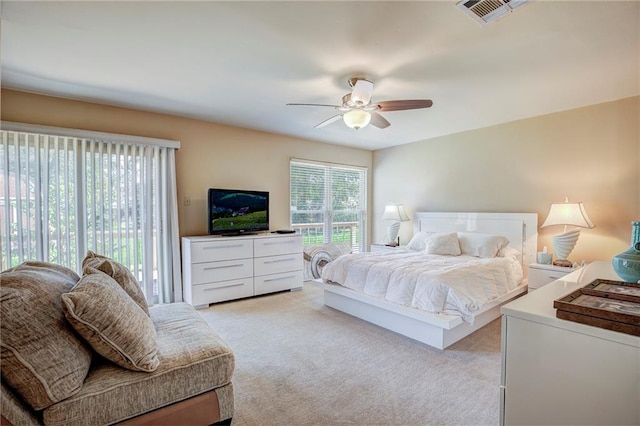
{"x":439,"y":330}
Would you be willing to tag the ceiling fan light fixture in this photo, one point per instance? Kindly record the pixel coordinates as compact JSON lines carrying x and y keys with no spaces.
{"x":357,"y":110}
{"x":357,"y":118}
{"x":361,"y":93}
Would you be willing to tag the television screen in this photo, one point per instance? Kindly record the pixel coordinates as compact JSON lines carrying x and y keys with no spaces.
{"x":234,"y":212}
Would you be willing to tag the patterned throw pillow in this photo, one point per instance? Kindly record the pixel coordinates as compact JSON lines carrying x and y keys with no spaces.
{"x":317,"y":256}
{"x":42,"y":358}
{"x":111,"y":322}
{"x":120,"y":273}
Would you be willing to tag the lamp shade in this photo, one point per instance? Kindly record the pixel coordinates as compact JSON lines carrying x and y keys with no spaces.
{"x":403,"y":214}
{"x":357,"y":118}
{"x":395,"y":212}
{"x":565,"y":214}
{"x":568,"y":214}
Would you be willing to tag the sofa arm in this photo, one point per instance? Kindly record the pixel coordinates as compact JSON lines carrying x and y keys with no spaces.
{"x":14,"y":411}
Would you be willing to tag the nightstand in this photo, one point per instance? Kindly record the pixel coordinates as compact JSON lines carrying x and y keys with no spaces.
{"x":382,"y":247}
{"x":541,"y":274}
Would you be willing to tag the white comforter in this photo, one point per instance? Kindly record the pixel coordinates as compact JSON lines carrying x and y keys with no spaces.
{"x":458,"y":285}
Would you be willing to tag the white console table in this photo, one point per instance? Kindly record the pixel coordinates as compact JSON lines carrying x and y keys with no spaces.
{"x":559,"y":372}
{"x":215,"y":269}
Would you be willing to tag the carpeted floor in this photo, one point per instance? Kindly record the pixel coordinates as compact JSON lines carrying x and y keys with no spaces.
{"x":299,"y":362}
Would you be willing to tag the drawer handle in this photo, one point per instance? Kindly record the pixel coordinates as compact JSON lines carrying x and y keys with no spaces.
{"x":279,"y":242}
{"x":223,"y":267}
{"x":224,"y":286}
{"x":280,"y":279}
{"x":555,"y":277}
{"x":222,"y":247}
{"x":279,"y":260}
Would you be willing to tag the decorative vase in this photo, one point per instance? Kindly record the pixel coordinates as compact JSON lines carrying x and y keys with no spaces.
{"x":627,"y":263}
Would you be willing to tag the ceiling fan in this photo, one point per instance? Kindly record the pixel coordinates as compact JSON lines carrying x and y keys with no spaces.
{"x":358,"y":111}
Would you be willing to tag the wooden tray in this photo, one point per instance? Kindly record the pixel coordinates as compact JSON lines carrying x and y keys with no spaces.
{"x":614,"y":305}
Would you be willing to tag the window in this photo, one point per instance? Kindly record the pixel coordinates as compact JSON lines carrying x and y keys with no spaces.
{"x":64,"y":192}
{"x":329,"y":203}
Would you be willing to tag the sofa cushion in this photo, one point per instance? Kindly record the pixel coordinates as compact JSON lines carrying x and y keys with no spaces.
{"x":120,"y":273}
{"x":193,"y":360}
{"x":15,"y":410}
{"x":42,"y":358}
{"x":111,"y":322}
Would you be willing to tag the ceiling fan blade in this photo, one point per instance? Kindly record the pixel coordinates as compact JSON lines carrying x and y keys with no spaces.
{"x":362,"y":91}
{"x":379,"y":121}
{"x":328,"y":121}
{"x":316,"y":105}
{"x":404,"y":104}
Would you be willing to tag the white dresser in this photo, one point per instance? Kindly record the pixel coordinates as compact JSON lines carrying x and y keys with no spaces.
{"x":558,"y":372}
{"x":215,"y":269}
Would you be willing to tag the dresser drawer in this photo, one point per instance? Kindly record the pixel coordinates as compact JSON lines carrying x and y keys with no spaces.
{"x":277,"y":282}
{"x":211,"y":251}
{"x":204,"y":294}
{"x":277,"y":264}
{"x":221,"y":271}
{"x":277,"y":245}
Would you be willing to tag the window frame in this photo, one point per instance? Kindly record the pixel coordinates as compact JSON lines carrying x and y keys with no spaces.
{"x":328,"y":210}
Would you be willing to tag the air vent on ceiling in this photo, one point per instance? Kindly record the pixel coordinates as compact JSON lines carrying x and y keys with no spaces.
{"x":485,"y":11}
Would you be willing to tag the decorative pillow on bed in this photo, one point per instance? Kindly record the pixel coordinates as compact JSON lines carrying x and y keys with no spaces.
{"x":442,"y":243}
{"x":509,"y":252}
{"x":418,"y":242}
{"x":481,"y":245}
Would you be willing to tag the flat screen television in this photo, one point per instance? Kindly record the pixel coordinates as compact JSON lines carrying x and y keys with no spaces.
{"x":237,"y":212}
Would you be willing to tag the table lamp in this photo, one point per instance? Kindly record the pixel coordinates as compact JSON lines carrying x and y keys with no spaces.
{"x":567,"y":214}
{"x":397,"y":215}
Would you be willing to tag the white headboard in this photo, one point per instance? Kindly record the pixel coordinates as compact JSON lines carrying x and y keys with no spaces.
{"x":520,"y":228}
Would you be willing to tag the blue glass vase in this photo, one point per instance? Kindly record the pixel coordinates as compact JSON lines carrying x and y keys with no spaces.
{"x":627,"y":263}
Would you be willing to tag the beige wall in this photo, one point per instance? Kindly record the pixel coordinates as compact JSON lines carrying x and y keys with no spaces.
{"x":590,"y":154}
{"x":210,"y":155}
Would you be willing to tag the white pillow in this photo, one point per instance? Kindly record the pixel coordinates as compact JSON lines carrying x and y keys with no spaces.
{"x":443,"y":244}
{"x":509,"y":252}
{"x":418,"y":241}
{"x":481,"y":245}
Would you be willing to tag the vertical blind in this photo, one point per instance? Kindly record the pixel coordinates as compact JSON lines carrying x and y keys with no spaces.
{"x":61,"y":196}
{"x":329,"y":203}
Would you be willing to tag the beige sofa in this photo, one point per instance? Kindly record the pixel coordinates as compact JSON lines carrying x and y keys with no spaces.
{"x":88,"y":351}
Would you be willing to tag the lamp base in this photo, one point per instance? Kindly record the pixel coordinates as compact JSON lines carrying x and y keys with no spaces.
{"x":392,"y":231}
{"x":564,"y":243}
{"x":563,"y":262}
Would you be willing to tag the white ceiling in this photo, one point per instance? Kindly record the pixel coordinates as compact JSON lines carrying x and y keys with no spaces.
{"x":239,"y":63}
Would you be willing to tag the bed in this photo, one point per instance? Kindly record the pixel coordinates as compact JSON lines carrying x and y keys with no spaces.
{"x":437,"y":329}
